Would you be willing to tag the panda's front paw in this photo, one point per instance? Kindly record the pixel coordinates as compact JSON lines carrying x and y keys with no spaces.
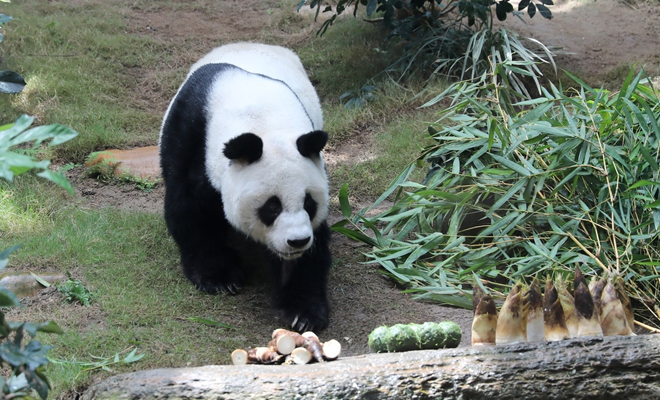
{"x":304,"y":319}
{"x":214,"y":284}
{"x":216,"y":287}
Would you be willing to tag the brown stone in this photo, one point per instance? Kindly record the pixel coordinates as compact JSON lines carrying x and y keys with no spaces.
{"x":142,"y":162}
{"x":24,"y":284}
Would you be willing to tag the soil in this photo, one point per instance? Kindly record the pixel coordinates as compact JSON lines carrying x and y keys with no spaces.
{"x":598,"y":40}
{"x":601,"y":36}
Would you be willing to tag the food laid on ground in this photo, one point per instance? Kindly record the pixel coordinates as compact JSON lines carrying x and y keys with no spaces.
{"x":288,"y":347}
{"x":553,"y":314}
{"x":535,"y":326}
{"x":406,"y":337}
{"x":600,"y":308}
{"x":512,"y":320}
{"x":484,"y":323}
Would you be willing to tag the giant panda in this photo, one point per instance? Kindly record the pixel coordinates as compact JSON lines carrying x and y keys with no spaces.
{"x":241,"y":152}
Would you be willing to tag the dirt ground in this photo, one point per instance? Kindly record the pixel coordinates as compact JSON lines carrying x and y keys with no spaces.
{"x":598,"y":40}
{"x":600,"y":36}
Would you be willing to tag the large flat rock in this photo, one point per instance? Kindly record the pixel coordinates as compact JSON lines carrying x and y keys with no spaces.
{"x":584,"y":368}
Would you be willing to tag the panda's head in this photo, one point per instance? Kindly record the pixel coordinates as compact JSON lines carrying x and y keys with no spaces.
{"x":276,"y":192}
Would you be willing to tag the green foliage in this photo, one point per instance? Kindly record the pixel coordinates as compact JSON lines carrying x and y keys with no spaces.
{"x":13,"y":158}
{"x":102,"y":363}
{"x":26,"y":361}
{"x":75,"y":291}
{"x":434,"y":33}
{"x":519,"y":188}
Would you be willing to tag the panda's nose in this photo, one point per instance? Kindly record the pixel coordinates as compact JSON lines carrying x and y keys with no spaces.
{"x":298,"y":243}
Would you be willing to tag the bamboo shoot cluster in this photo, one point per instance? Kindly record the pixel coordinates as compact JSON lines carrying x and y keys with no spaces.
{"x":600,"y":308}
{"x":289,"y":348}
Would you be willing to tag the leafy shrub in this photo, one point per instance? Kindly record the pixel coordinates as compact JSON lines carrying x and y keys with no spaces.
{"x":434,"y":32}
{"x":518,"y":188}
{"x":15,"y":160}
{"x":75,"y":291}
{"x":26,"y":361}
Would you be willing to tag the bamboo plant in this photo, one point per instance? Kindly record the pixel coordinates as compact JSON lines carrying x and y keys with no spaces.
{"x":519,"y":187}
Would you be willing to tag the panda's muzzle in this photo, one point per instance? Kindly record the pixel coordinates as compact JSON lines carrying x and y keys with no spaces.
{"x":298,"y":243}
{"x":296,"y":248}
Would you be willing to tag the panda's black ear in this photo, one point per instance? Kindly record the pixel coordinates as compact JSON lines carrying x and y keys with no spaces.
{"x":247,"y":148}
{"x":311,"y":144}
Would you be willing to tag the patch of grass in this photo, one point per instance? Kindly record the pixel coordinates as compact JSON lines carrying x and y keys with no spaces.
{"x":336,"y":61}
{"x":27,"y":205}
{"x":78,"y":63}
{"x":383,"y":155}
{"x":122,"y":257}
{"x":144,"y":184}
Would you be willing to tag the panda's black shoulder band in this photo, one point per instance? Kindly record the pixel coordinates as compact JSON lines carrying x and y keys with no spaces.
{"x":247,"y":148}
{"x":311,"y":144}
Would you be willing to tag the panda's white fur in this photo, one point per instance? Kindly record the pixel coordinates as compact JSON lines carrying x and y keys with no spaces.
{"x":288,"y":106}
{"x":244,"y":89}
{"x":273,"y":61}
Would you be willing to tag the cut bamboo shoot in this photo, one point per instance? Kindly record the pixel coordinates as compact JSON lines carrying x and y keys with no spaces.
{"x":568,"y":305}
{"x":331,"y":349}
{"x":535,"y":326}
{"x":484,"y":324}
{"x":313,"y":345}
{"x":239,"y":357}
{"x":300,"y":356}
{"x":553,"y":314}
{"x":284,"y":344}
{"x":512,"y":320}
{"x":588,"y":319}
{"x":614,"y":320}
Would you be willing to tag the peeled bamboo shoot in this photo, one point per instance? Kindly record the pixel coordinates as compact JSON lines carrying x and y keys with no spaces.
{"x":535,"y":326}
{"x":553,"y":314}
{"x":512,"y":320}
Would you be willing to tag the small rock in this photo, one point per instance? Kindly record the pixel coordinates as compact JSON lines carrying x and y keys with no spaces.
{"x":142,"y":162}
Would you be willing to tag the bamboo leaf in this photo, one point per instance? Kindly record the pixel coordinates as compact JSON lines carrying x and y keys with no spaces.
{"x":343,"y":201}
{"x":210,"y":322}
{"x":511,"y":165}
{"x":39,"y":279}
{"x":355,"y":235}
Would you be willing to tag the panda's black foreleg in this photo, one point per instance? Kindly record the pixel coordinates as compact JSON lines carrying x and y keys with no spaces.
{"x":211,"y":267}
{"x":300,"y":294}
{"x":201,"y":231}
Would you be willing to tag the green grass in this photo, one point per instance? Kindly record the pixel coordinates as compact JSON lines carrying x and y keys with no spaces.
{"x":348,"y":55}
{"x":122,"y":257}
{"x":81,"y":69}
{"x":394,"y":146}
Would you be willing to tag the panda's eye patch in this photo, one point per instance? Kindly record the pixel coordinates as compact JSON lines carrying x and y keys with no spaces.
{"x":269,"y":212}
{"x":310,"y":206}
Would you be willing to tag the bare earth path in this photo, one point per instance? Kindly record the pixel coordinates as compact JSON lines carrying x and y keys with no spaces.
{"x":598,"y":37}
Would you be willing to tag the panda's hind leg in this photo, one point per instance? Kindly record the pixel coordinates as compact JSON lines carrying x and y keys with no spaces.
{"x":300,"y":294}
